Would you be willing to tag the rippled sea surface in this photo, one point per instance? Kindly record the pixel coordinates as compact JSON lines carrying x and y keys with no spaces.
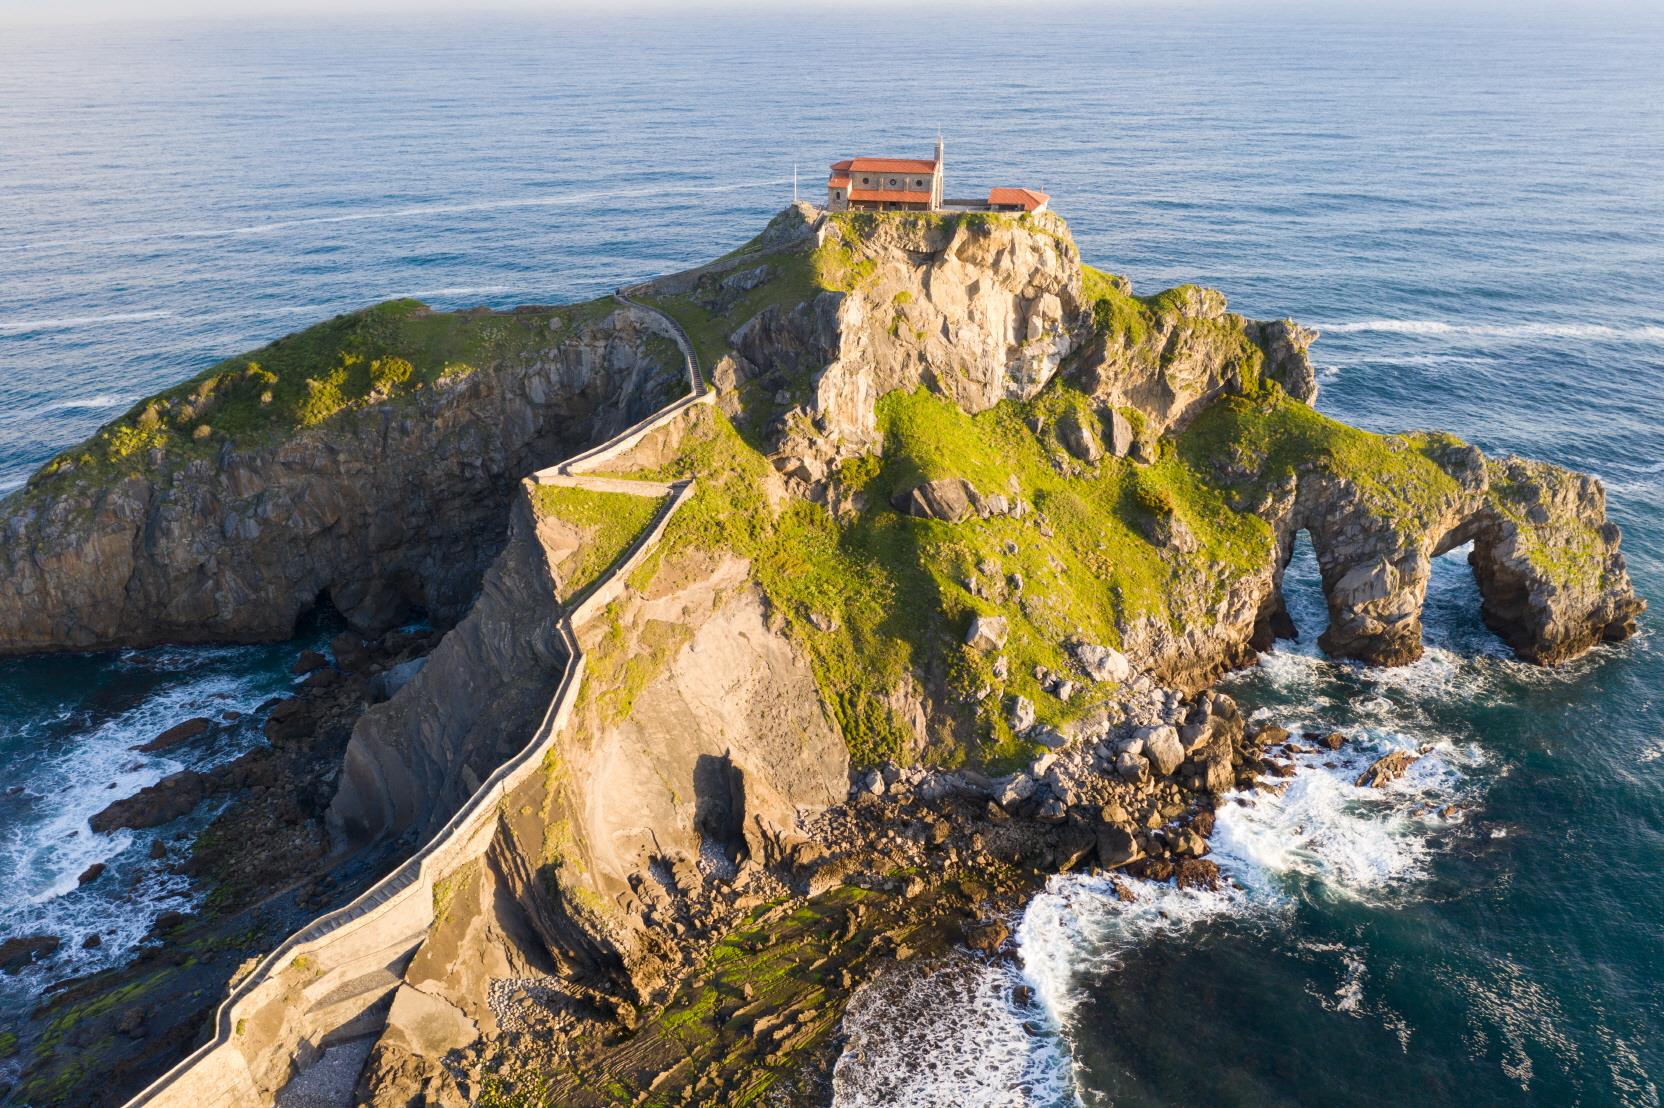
{"x":1470,"y":206}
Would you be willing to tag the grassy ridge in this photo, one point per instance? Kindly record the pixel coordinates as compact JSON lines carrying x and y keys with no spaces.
{"x":898,"y":591}
{"x":610,"y":522}
{"x":384,"y":353}
{"x":879,"y":599}
{"x":1271,"y":436}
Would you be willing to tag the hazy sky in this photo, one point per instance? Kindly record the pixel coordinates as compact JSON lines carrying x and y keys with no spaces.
{"x":62,"y":11}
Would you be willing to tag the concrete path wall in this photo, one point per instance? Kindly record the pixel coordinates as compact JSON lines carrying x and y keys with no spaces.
{"x":330,"y":981}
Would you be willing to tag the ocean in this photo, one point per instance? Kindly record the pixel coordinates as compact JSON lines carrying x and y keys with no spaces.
{"x":1469,"y":204}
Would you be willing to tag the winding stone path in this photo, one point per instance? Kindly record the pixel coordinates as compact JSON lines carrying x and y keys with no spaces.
{"x":223,"y":1070}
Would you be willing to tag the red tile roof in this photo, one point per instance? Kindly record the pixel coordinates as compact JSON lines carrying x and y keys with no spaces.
{"x":1027,"y":199}
{"x":838,"y":183}
{"x":842,"y":167}
{"x":891,"y":196}
{"x":890,"y":165}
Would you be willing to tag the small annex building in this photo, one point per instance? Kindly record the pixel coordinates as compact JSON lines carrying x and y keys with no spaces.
{"x":868,"y":184}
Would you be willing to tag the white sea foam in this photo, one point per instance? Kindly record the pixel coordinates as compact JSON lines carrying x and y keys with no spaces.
{"x":48,"y":843}
{"x":954,"y":1037}
{"x":920,"y":1037}
{"x":1642,"y":334}
{"x":20,"y":326}
{"x":473,"y":290}
{"x":98,"y":402}
{"x":572,"y":198}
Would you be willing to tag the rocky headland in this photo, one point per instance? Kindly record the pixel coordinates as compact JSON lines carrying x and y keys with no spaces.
{"x":971,"y":531}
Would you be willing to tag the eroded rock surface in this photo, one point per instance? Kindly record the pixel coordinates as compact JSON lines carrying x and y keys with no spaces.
{"x":394,"y":509}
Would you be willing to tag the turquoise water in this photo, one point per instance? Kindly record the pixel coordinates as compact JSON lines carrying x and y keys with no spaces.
{"x":1470,"y":206}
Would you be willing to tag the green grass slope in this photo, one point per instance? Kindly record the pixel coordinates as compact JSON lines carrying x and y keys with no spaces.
{"x":325,"y":373}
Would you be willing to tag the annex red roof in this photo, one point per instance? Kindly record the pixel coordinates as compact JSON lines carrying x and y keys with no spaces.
{"x":843,"y":166}
{"x":890,"y":165}
{"x":838,"y":183}
{"x":1027,"y":199}
{"x":891,"y":196}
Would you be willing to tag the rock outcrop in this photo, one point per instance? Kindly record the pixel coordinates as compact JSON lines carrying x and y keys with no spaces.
{"x":1170,"y":359}
{"x":478,"y":698}
{"x":386,"y":511}
{"x":960,"y":499}
{"x":983,"y":310}
{"x":1553,"y":580}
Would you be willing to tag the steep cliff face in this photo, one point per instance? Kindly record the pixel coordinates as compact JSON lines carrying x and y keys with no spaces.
{"x":477,"y":699}
{"x":961,"y":500}
{"x":699,"y":745}
{"x":1168,"y":357}
{"x":1548,"y":565}
{"x":204,"y":515}
{"x":982,"y":310}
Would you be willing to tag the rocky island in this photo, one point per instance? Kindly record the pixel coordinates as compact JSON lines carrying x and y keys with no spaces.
{"x":662,"y":717}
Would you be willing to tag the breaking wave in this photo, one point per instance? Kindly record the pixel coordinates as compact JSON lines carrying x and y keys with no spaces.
{"x":69,"y":762}
{"x":409,"y":211}
{"x":22,"y":326}
{"x":958,"y":1036}
{"x":1642,"y":334}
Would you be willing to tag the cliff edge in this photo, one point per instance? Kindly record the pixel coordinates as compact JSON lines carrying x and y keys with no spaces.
{"x":968,"y":525}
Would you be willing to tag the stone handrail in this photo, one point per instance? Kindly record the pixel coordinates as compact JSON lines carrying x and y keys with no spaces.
{"x":221,"y":1071}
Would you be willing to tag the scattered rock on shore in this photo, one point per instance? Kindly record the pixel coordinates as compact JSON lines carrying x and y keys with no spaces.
{"x":21,"y":951}
{"x":1386,"y":769}
{"x":986,"y":936}
{"x":154,"y":805}
{"x":178,"y":733}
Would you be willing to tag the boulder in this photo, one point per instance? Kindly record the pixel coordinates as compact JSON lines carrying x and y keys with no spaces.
{"x":1079,"y":437}
{"x":1116,"y":846}
{"x":1196,"y":873}
{"x":350,"y":651}
{"x":1163,"y":748}
{"x":21,"y":951}
{"x":308,"y":661}
{"x":1154,"y":869}
{"x":1218,"y":775}
{"x":92,"y":873}
{"x":986,"y":936}
{"x":1120,"y":434}
{"x":1386,"y":769}
{"x":1019,"y":712}
{"x":289,"y":719}
{"x":131,"y":1022}
{"x":949,"y":499}
{"x":745,"y":280}
{"x":386,"y":685}
{"x":1049,"y":737}
{"x":1016,"y":790}
{"x":1076,"y":844}
{"x":154,"y":805}
{"x":178,"y":733}
{"x":1051,"y":810}
{"x":1187,"y":843}
{"x":1132,"y":766}
{"x":1100,"y":662}
{"x":988,"y":633}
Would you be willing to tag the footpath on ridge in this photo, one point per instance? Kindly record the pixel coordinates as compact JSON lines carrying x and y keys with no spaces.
{"x":319,"y":987}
